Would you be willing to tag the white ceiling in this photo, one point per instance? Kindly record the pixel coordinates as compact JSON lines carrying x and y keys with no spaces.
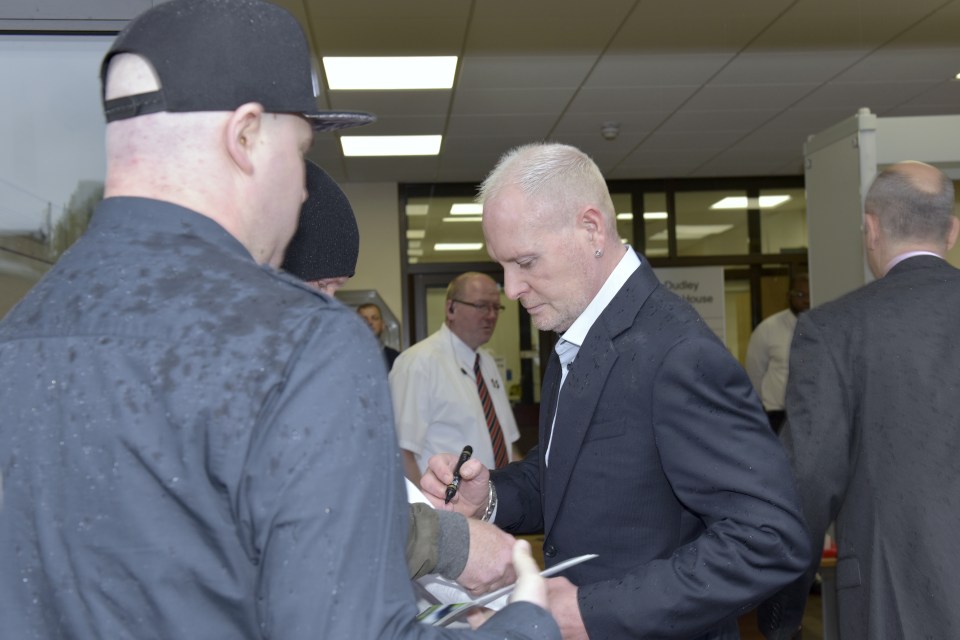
{"x":700,"y":88}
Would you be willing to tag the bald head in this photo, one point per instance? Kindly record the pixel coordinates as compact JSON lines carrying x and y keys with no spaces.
{"x":243,"y":168}
{"x":909,"y":207}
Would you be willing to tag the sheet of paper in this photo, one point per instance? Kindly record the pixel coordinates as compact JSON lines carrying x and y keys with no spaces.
{"x":443,"y":614}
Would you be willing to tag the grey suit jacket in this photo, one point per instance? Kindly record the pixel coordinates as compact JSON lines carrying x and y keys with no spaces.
{"x":664,"y":464}
{"x":874,"y":438}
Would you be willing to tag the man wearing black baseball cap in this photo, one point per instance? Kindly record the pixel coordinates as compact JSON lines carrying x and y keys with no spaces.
{"x":194,"y":444}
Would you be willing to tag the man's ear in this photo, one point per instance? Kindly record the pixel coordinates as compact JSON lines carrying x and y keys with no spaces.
{"x":242,"y":131}
{"x":952,"y":234}
{"x":871,"y":231}
{"x":591,"y":220}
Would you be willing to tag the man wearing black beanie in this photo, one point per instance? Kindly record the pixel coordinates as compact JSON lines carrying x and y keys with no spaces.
{"x":323,"y":252}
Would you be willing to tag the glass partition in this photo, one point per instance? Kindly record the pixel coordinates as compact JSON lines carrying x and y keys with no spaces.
{"x":783,"y":221}
{"x":711,"y":223}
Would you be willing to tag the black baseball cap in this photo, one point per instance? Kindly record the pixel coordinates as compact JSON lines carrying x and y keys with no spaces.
{"x":215,"y":55}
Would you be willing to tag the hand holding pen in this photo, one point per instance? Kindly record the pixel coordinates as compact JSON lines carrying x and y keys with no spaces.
{"x":455,"y":483}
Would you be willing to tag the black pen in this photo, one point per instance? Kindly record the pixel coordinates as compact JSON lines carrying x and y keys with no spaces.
{"x":455,"y":483}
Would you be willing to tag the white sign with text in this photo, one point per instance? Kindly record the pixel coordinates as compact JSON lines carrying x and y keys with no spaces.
{"x":702,"y":287}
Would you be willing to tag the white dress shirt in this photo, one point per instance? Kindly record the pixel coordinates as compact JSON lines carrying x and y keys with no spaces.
{"x":436,"y":404}
{"x":572,"y":339}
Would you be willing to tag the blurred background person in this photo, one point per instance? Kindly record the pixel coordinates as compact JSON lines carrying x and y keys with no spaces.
{"x":447,"y":391}
{"x":873,"y":431}
{"x":371,"y":313}
{"x":768,"y":352}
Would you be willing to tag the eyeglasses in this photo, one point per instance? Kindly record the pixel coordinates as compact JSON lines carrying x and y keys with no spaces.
{"x":485,"y":307}
{"x":799,"y":294}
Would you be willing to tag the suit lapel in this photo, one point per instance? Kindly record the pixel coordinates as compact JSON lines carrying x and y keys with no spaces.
{"x":578,"y":400}
{"x":581,"y":392}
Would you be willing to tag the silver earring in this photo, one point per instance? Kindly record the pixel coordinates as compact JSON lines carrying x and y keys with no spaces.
{"x":598,"y":253}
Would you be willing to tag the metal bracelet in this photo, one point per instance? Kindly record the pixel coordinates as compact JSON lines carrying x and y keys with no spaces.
{"x":491,"y":502}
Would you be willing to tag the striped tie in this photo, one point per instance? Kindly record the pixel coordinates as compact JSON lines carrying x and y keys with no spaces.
{"x":496,"y":433}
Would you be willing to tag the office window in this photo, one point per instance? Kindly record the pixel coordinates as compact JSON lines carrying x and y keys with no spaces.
{"x":655,"y":218}
{"x":444,"y":228}
{"x":711,"y":223}
{"x":624,"y":211}
{"x":783,"y":221}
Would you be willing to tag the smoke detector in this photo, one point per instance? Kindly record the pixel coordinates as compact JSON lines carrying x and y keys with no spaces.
{"x":610,"y":130}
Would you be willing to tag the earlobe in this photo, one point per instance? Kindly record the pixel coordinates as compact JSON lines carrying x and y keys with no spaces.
{"x":242,"y":130}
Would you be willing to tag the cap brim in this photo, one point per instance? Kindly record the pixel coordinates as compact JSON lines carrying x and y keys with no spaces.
{"x":333,"y":120}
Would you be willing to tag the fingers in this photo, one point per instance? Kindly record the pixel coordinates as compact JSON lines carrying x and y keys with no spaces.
{"x":478,"y":616}
{"x":531,"y":586}
{"x":471,"y":496}
{"x":472,"y":470}
{"x":434,"y":480}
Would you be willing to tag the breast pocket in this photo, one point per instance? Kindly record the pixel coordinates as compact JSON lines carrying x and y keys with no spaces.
{"x":606,"y":430}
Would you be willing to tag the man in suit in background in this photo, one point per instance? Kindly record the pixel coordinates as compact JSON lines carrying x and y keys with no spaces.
{"x":654,"y":450}
{"x":873,"y":430}
{"x":372,"y":315}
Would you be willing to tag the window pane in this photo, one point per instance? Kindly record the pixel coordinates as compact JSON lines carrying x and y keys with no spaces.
{"x":444,"y":229}
{"x":624,"y":211}
{"x":655,"y":224}
{"x":783,"y":225}
{"x":706,"y":227}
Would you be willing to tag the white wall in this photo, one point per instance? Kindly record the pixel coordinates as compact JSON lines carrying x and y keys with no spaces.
{"x":375,"y":205}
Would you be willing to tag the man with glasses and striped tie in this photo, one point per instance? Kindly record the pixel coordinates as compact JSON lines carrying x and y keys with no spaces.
{"x":447,"y":392}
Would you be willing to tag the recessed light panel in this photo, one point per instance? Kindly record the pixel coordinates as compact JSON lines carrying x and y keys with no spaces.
{"x":368,"y":146}
{"x":397,"y":72}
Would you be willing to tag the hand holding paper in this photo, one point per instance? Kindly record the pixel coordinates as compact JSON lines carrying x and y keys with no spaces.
{"x":531,"y":586}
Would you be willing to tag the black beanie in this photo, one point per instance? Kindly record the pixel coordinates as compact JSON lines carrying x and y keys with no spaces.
{"x":327,"y":241}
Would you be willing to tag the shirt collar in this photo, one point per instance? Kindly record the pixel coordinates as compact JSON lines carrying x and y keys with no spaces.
{"x":464,"y":355}
{"x":909,"y":254}
{"x":578,"y":331}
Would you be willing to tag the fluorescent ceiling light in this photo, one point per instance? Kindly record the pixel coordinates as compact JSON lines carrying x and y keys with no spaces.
{"x":649,"y":215}
{"x":458,"y":246}
{"x":414,"y":244}
{"x":740,"y":202}
{"x":466,"y":209}
{"x":694,"y":231}
{"x":417,"y":209}
{"x":463,"y":219}
{"x":365,"y":146}
{"x":415,"y":252}
{"x":416,"y":234}
{"x":397,"y":72}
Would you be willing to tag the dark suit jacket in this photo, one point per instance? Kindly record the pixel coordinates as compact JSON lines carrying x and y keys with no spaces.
{"x":389,"y":356}
{"x":874,"y":437}
{"x":664,"y":464}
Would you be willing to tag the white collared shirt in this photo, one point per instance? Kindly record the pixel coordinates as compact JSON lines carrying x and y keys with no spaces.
{"x":909,"y":254}
{"x":436,"y":404}
{"x":577,"y":332}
